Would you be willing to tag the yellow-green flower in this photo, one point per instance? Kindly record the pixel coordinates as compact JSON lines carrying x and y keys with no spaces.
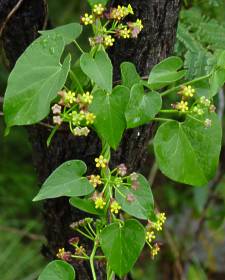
{"x":70,"y":97}
{"x":125,"y":33}
{"x":90,"y":118}
{"x":158,"y":225}
{"x":86,"y":98}
{"x":87,"y":19}
{"x":101,"y":162}
{"x":115,"y":207}
{"x":150,"y":235}
{"x":162,"y":217}
{"x":60,"y":253}
{"x":99,"y":203}
{"x":155,"y":250}
{"x":95,"y":180}
{"x":108,"y":41}
{"x":187,"y":91}
{"x":182,"y":106}
{"x":77,"y":117}
{"x":98,"y":9}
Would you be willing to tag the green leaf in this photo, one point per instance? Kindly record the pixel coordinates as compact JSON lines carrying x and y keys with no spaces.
{"x":122,"y":245}
{"x":69,"y":32}
{"x":66,"y":180}
{"x":166,"y":72}
{"x":188,"y":152}
{"x":98,"y":69}
{"x":93,"y":2}
{"x":129,"y":74}
{"x":142,"y":207}
{"x":142,"y":107}
{"x":109,"y":109}
{"x":86,"y":205}
{"x":58,"y":270}
{"x":35,"y":80}
{"x":217,"y":81}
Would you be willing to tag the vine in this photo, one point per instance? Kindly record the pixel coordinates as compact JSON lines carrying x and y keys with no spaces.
{"x":84,"y":98}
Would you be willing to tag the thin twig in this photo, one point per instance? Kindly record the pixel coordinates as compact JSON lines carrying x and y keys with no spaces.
{"x":11,"y":13}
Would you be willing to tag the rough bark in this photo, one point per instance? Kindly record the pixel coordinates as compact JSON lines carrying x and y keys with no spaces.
{"x":155,"y":43}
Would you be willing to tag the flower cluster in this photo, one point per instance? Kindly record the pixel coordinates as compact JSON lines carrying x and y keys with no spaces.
{"x":186,"y":92}
{"x":72,"y":108}
{"x":108,"y":24}
{"x":151,"y":229}
{"x":115,"y":207}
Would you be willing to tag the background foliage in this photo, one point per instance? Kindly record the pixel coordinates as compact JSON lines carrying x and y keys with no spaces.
{"x":194,"y":234}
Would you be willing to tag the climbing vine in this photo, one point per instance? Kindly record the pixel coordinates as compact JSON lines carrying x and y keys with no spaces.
{"x":82,"y":97}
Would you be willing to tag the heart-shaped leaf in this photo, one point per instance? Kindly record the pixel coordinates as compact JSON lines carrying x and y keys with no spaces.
{"x":122,"y":245}
{"x":57,"y":270}
{"x":109,"y":110}
{"x":166,"y":72}
{"x":86,"y":205}
{"x":188,"y":152}
{"x":69,"y":32}
{"x":142,"y":107}
{"x":129,"y":74}
{"x":66,"y":180}
{"x":98,"y":69}
{"x":35,"y":80}
{"x":142,"y":204}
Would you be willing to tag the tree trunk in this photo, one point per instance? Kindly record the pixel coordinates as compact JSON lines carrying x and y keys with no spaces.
{"x":154,"y":43}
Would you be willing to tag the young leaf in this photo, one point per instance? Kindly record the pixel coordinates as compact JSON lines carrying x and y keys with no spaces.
{"x":142,"y":107}
{"x":58,"y":270}
{"x":188,"y":152}
{"x":109,"y":109}
{"x":142,"y":206}
{"x":66,"y":180}
{"x":86,"y":205}
{"x":166,"y":72}
{"x":122,"y":245}
{"x":69,"y":32}
{"x":129,"y":74}
{"x":35,"y":80}
{"x":98,"y":69}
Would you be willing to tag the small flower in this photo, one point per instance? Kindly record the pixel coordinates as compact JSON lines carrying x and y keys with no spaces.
{"x":122,"y":169}
{"x":205,"y":101}
{"x":187,"y":91}
{"x":182,"y":106}
{"x":74,"y":241}
{"x":86,"y":98}
{"x":150,"y":236}
{"x":124,"y":33}
{"x":155,"y":250}
{"x":208,"y":123}
{"x":115,"y":207}
{"x":98,"y":9}
{"x":212,"y":108}
{"x":101,"y":162}
{"x":62,"y":94}
{"x":95,"y":180}
{"x":158,"y":225}
{"x":80,"y":251}
{"x":57,"y":120}
{"x":70,"y":98}
{"x":108,"y":41}
{"x":90,"y":118}
{"x":100,"y":203}
{"x":56,"y":109}
{"x":77,"y":117}
{"x":87,"y":19}
{"x":85,"y":131}
{"x":161,"y":217}
{"x":66,"y":256}
{"x":135,"y":28}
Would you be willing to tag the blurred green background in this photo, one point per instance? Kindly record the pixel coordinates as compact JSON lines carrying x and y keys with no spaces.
{"x":21,"y":235}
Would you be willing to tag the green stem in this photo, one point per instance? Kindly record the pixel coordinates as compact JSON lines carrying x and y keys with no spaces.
{"x":171,"y":90}
{"x":78,"y":46}
{"x":84,"y":234}
{"x":80,"y":257}
{"x":92,"y":261}
{"x":169,"y":111}
{"x":161,"y":120}
{"x":51,"y":135}
{"x":91,"y":228}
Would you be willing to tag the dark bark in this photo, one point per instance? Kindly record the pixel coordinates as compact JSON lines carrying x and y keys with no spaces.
{"x":155,"y":43}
